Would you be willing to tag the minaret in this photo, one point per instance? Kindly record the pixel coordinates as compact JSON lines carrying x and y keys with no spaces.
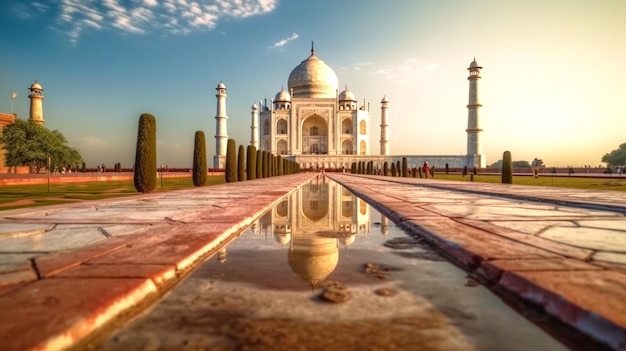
{"x":221,"y":135}
{"x":474,"y":142}
{"x":36,"y":104}
{"x":384,"y":130}
{"x":254,"y":126}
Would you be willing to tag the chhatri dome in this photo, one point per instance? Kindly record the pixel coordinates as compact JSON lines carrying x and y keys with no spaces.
{"x":35,"y":86}
{"x":282,"y":96}
{"x":312,"y":78}
{"x":347,"y":95}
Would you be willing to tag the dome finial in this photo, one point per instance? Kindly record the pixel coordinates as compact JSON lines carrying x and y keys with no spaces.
{"x":312,"y":48}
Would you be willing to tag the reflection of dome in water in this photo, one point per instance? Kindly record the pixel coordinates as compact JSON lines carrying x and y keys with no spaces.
{"x":282,"y":238}
{"x":347,"y":240}
{"x":313,"y":258}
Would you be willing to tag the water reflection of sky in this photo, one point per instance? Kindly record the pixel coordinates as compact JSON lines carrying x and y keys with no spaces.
{"x":313,"y":225}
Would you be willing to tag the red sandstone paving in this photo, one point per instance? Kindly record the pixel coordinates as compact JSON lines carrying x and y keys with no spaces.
{"x":485,"y":245}
{"x":611,"y":266}
{"x":5,"y":289}
{"x":591,"y":301}
{"x":173,"y":248}
{"x":15,"y":277}
{"x":492,"y":270}
{"x":59,"y":311}
{"x":47,"y":265}
{"x":159,"y":274}
{"x":539,"y":242}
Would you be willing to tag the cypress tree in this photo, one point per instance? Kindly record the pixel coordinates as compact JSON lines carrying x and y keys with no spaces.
{"x":281,"y":166}
{"x":83,"y":167}
{"x":386,"y":168}
{"x":199,"y":159}
{"x":398,"y":168}
{"x":230,"y":172}
{"x":259,"y":164}
{"x":251,"y":162}
{"x":393,"y":169}
{"x":241,"y":164}
{"x":265,"y":164}
{"x":507,"y":168}
{"x":145,"y":174}
{"x":405,"y":169}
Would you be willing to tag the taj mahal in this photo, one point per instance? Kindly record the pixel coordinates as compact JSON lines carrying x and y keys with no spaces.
{"x":314,"y":124}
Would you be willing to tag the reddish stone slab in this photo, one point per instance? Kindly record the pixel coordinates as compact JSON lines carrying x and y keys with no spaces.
{"x":611,"y":266}
{"x":590,"y":301}
{"x":159,"y":274}
{"x":15,"y":277}
{"x":450,"y":233}
{"x":492,"y":270}
{"x":548,"y":245}
{"x":5,"y":289}
{"x":53,"y":314}
{"x":181,"y":246}
{"x":51,"y":264}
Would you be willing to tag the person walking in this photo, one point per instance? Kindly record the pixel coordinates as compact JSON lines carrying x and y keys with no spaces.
{"x":426,"y":169}
{"x":534,"y":166}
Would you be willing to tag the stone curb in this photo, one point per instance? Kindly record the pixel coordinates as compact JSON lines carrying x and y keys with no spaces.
{"x":82,"y":292}
{"x":533,"y":284}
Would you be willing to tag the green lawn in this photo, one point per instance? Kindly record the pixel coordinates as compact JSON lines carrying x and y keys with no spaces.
{"x":20,"y":196}
{"x":599,"y":183}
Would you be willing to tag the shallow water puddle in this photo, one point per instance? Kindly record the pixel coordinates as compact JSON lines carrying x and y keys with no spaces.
{"x":324,"y":271}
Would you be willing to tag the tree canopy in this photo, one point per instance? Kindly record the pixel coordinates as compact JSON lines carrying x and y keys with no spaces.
{"x":29,"y":144}
{"x":515,"y":164}
{"x":616,"y":157}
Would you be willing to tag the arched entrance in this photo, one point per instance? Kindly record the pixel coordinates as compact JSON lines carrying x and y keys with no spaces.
{"x":281,"y":147}
{"x":314,"y":135}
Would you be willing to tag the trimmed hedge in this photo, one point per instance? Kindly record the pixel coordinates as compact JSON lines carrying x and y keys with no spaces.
{"x":230,"y":172}
{"x":145,"y":170}
{"x":251,"y":162}
{"x":241,"y":164}
{"x":507,"y":168}
{"x":199,"y":173}
{"x":259,"y":164}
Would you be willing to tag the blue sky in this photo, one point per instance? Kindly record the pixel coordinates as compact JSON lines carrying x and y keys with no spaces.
{"x":553,"y":84}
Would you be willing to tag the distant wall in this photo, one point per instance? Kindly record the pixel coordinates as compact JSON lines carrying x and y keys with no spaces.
{"x":24,"y":179}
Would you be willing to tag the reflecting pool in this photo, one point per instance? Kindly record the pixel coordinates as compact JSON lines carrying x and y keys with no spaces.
{"x":322,"y":270}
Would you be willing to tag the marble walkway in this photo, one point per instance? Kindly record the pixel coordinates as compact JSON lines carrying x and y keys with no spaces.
{"x":69,"y":272}
{"x":561,"y":249}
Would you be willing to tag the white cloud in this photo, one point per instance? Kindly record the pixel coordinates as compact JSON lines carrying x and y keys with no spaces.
{"x":284,"y":42}
{"x":40,"y":6}
{"x":149,"y":16}
{"x":406,"y":71}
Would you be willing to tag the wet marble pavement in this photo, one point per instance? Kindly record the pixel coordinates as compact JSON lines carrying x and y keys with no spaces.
{"x":67,"y":271}
{"x":258,"y":294}
{"x":569,"y":257}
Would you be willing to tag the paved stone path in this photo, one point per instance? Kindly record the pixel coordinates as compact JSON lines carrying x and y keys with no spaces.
{"x":562,"y":249}
{"x":67,"y":272}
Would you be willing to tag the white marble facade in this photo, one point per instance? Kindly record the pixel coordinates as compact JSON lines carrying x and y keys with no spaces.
{"x":316,"y":125}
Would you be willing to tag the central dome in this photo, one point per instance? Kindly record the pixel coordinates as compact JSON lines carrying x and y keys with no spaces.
{"x":312,"y":78}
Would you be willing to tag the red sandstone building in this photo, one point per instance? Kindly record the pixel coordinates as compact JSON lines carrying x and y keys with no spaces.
{"x":36,"y":116}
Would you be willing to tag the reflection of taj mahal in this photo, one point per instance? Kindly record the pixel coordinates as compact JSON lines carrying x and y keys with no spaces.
{"x":316,"y":125}
{"x":314,"y":223}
